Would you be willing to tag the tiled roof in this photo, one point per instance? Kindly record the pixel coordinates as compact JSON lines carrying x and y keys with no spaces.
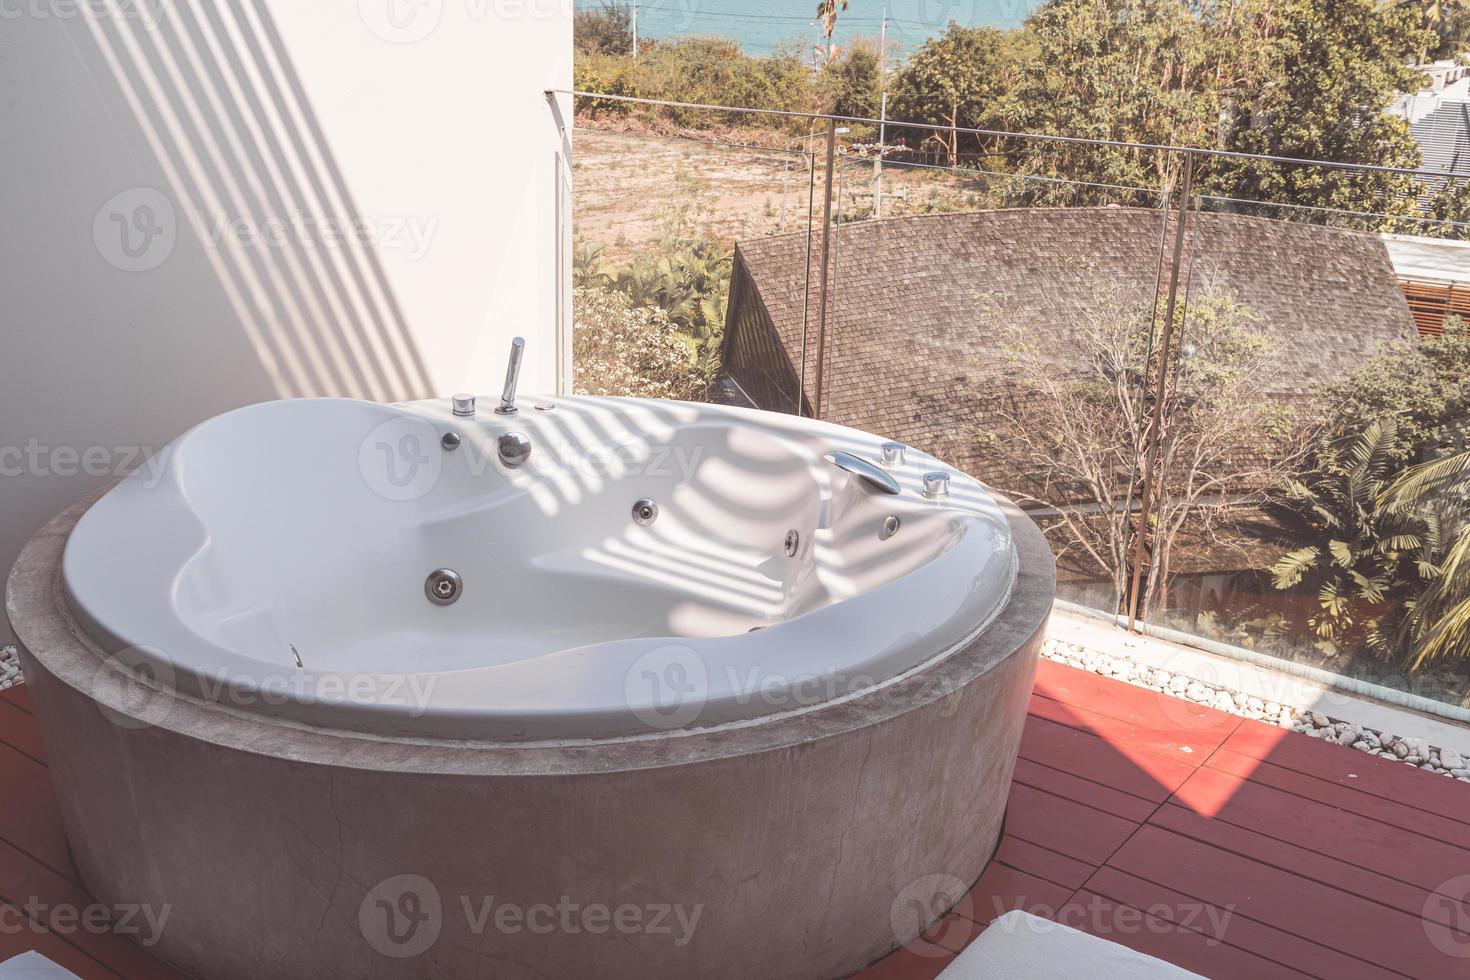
{"x":917,"y":304}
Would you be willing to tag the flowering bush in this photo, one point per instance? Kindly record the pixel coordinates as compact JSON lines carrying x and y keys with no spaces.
{"x":622,"y":349}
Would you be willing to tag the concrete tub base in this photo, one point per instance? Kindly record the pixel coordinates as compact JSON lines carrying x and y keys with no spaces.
{"x":805,"y":846}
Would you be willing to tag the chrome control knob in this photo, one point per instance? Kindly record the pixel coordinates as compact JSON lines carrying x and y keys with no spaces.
{"x":464,"y":405}
{"x":514,"y":448}
{"x":936,"y":485}
{"x":891,"y":453}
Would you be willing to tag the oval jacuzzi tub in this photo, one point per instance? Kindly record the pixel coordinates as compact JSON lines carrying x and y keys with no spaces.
{"x":276,"y":557}
{"x":325,"y":677}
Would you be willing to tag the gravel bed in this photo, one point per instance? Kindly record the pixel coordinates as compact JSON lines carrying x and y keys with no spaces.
{"x":1314,"y":724}
{"x":9,"y":669}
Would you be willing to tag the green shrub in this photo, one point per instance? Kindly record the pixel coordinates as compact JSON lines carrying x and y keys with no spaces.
{"x":622,"y":349}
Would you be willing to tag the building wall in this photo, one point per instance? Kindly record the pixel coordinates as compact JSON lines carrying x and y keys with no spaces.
{"x":214,"y":204}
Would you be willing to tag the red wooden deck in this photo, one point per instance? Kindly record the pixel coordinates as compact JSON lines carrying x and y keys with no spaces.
{"x":1228,"y":847}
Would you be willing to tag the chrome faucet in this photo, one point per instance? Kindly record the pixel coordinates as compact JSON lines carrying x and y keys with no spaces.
{"x":507,"y":404}
{"x":874,"y":476}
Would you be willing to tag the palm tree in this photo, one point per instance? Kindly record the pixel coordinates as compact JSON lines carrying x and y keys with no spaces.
{"x":1438,"y":621}
{"x":1357,"y":573}
{"x":827,"y":14}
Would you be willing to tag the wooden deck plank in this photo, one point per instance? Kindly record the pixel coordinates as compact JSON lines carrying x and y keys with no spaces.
{"x":1204,"y":727}
{"x":29,"y":819}
{"x":1362,"y":929}
{"x":1003,"y":889}
{"x":1065,"y":826}
{"x":1082,"y":790}
{"x":1349,"y":767}
{"x":1226,"y":926}
{"x":999,"y":890}
{"x":1135,"y":771}
{"x":18,"y":730}
{"x":20,"y":697}
{"x":1342,"y":874}
{"x":917,"y":961}
{"x":1360,"y":796}
{"x":1177,"y":744}
{"x":1322,"y":828}
{"x":1043,"y":862}
{"x":59,"y":903}
{"x":1136,"y":929}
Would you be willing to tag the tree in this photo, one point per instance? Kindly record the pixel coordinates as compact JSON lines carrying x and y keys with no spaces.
{"x":1138,"y":71}
{"x":855,"y":83}
{"x":1354,"y":561}
{"x":1439,"y":23}
{"x":1337,"y":64}
{"x":607,"y":29}
{"x":1303,"y":79}
{"x":956,"y":80}
{"x":1382,"y":519}
{"x":1437,"y":624}
{"x":1075,"y":418}
{"x":827,"y":14}
{"x":1448,"y":211}
{"x":1454,"y":32}
{"x":1423,"y":384}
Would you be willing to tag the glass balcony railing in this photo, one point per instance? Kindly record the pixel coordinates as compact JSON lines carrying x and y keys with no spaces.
{"x":1233,"y":390}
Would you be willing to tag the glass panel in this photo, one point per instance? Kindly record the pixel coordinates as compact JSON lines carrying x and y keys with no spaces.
{"x":1313,"y":507}
{"x":997,"y":319}
{"x":657,"y":221}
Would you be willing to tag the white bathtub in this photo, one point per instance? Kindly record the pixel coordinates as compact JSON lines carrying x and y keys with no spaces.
{"x":274,"y":559}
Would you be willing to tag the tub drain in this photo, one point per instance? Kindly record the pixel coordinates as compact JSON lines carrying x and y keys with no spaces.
{"x":443,"y":586}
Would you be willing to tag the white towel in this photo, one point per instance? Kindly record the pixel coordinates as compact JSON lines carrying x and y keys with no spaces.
{"x":34,"y":966}
{"x":1021,"y":946}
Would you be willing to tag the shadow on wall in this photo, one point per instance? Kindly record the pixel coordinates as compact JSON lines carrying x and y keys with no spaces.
{"x":215,"y":98}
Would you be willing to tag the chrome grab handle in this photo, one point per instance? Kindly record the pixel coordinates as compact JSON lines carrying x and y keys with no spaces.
{"x":870,"y":473}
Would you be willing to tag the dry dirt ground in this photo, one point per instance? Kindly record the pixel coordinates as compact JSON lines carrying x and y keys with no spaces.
{"x":632,"y":189}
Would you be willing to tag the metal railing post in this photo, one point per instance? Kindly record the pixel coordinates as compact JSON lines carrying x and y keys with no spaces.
{"x":822,"y":288}
{"x":806,"y":292}
{"x":1154,"y":438}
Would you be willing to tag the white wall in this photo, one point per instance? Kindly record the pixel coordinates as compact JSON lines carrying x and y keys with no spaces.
{"x":209,"y":203}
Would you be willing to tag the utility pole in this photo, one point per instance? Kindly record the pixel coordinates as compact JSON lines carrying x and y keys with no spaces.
{"x":635,"y":33}
{"x":882,"y":115}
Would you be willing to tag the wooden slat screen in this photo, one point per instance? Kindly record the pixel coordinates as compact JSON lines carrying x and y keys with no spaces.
{"x":1431,"y":303}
